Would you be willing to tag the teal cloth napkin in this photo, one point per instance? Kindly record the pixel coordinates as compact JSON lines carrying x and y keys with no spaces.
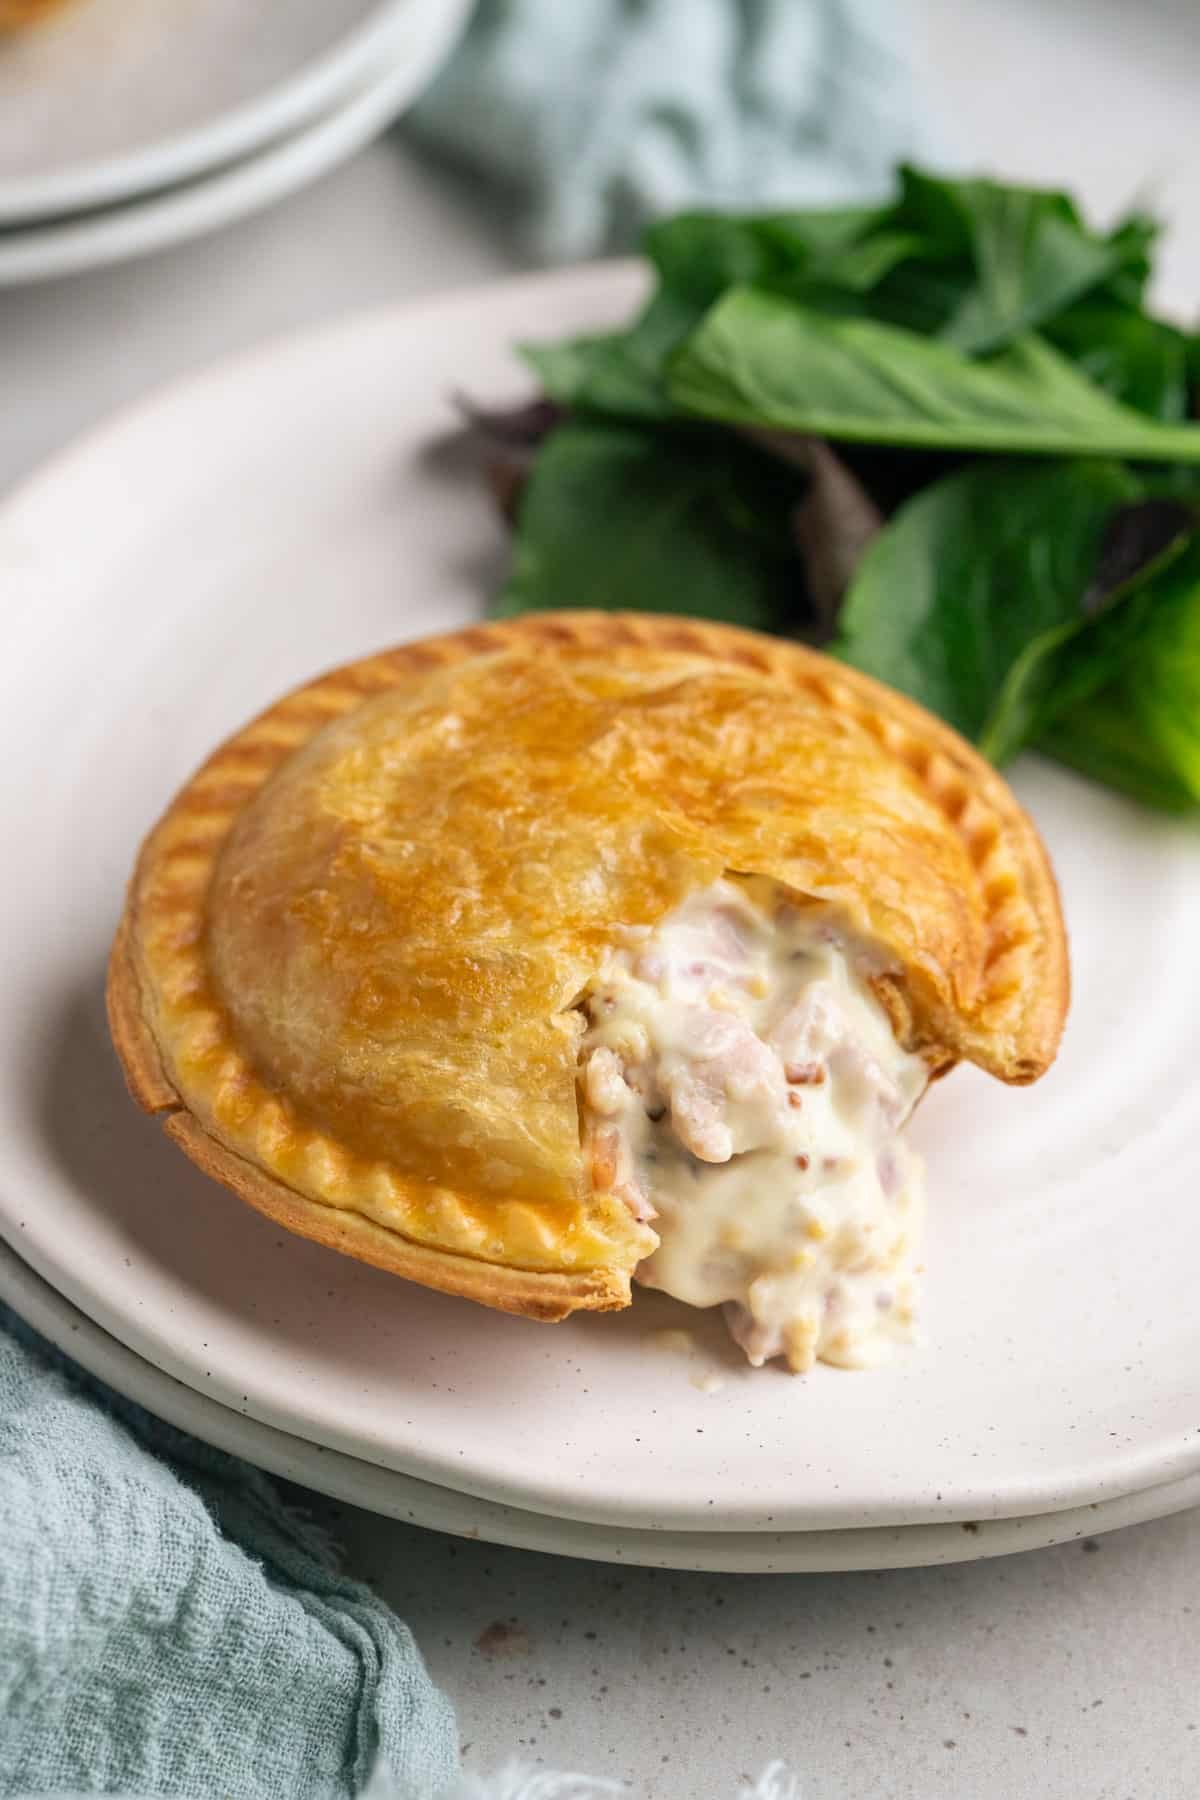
{"x":169,"y":1627}
{"x":595,"y":116}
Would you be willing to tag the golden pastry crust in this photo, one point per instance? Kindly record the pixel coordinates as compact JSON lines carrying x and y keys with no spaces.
{"x":351,"y":949}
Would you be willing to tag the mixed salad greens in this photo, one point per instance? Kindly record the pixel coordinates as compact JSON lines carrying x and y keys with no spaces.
{"x":943,"y":438}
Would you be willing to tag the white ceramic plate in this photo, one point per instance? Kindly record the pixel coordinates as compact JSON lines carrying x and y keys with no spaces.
{"x":286,"y":512}
{"x":429,"y":28}
{"x":418,"y":1503}
{"x":112,"y":98}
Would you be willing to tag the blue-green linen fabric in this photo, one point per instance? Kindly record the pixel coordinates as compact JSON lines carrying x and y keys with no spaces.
{"x":169,"y":1627}
{"x":595,"y":116}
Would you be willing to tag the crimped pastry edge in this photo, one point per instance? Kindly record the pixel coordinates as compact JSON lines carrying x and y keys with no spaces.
{"x":971,"y":795}
{"x":532,"y":1293}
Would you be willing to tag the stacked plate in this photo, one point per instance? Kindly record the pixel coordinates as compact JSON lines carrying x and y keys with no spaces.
{"x":290,"y":511}
{"x":126,"y":128}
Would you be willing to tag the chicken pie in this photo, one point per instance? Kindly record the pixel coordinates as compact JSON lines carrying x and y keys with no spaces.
{"x":529,"y":959}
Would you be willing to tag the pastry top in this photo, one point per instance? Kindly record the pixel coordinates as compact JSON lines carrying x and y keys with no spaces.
{"x":358,"y":936}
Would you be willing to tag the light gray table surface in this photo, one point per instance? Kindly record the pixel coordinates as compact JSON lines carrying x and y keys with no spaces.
{"x":1069,"y":1673}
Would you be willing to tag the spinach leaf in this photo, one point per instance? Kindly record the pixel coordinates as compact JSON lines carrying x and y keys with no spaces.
{"x":948,"y":596}
{"x":1031,"y":263}
{"x":996,"y":261}
{"x":1138,"y":360}
{"x":1141,"y":731}
{"x":1065,"y":663}
{"x":828,"y":258}
{"x":1135,"y":238}
{"x":697,"y":256}
{"x":1103,"y":739}
{"x":972,"y":261}
{"x":761,"y":359}
{"x":619,"y":372}
{"x":617,"y":515}
{"x":1029,"y":249}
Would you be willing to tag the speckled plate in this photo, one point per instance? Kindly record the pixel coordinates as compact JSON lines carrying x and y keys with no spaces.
{"x":399,"y":1496}
{"x":289,"y":511}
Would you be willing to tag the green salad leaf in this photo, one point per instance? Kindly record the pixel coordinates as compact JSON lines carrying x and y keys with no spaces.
{"x":1103,"y":739}
{"x":971,"y":261}
{"x":972,"y":572}
{"x":697,"y":255}
{"x":620,"y":373}
{"x":761,"y":359}
{"x":1140,"y":730}
{"x":616,"y":515}
{"x":1065,"y":664}
{"x":998,"y":261}
{"x":1138,"y":360}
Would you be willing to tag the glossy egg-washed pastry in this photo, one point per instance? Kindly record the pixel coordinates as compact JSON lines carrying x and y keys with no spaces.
{"x":522,"y":959}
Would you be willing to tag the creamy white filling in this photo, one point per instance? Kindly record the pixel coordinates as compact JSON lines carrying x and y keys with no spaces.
{"x":742,"y":1087}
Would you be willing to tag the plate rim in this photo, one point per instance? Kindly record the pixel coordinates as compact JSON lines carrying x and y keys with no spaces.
{"x":454,"y":1513}
{"x":159,"y":220}
{"x":286,"y":107}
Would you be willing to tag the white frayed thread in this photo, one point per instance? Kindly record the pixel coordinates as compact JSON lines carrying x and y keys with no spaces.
{"x":773,"y":1784}
{"x":519,"y":1782}
{"x":516,"y":1783}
